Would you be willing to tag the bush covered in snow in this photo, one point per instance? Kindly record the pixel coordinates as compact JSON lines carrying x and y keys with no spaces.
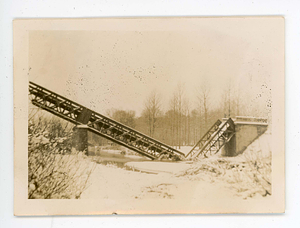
{"x":248,"y":174}
{"x":55,"y":170}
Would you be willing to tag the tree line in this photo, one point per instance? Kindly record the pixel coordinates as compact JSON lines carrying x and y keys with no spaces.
{"x":184,"y":120}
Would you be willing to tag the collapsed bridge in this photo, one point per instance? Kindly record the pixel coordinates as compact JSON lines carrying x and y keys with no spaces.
{"x":211,"y":142}
{"x":100,"y":124}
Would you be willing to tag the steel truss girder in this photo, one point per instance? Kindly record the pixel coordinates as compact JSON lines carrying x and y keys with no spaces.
{"x":204,"y":139}
{"x":99,"y":124}
{"x":218,"y":139}
{"x":214,"y":139}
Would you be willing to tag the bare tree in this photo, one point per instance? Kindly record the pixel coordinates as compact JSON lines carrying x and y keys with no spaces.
{"x":227,"y":99}
{"x":122,"y":116}
{"x":179,"y":94}
{"x":238,"y":101}
{"x":186,"y":113}
{"x":152,"y":110}
{"x":194,"y":126}
{"x":199,"y":117}
{"x":234,"y":101}
{"x":172,"y":116}
{"x":203,"y":100}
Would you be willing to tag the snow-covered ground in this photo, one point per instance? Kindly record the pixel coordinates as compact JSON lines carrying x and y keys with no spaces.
{"x":177,"y":185}
{"x":184,"y":149}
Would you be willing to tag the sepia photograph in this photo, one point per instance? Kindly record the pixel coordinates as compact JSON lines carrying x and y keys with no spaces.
{"x":174,"y":115}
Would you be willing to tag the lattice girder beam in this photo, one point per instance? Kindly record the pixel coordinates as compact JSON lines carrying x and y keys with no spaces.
{"x":225,"y":131}
{"x":99,"y":124}
{"x":204,"y":139}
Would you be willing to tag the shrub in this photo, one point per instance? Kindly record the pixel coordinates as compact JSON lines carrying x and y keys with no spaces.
{"x":55,"y":170}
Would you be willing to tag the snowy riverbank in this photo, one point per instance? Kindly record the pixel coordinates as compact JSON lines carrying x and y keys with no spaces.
{"x":178,"y":184}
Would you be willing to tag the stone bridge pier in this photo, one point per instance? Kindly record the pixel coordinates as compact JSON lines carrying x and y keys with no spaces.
{"x":87,"y":141}
{"x":247,"y":129}
{"x":83,"y":139}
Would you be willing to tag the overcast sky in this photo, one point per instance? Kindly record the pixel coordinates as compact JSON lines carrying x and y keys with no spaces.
{"x":118,"y":67}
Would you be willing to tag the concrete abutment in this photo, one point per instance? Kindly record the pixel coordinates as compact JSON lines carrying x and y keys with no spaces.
{"x":247,"y":129}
